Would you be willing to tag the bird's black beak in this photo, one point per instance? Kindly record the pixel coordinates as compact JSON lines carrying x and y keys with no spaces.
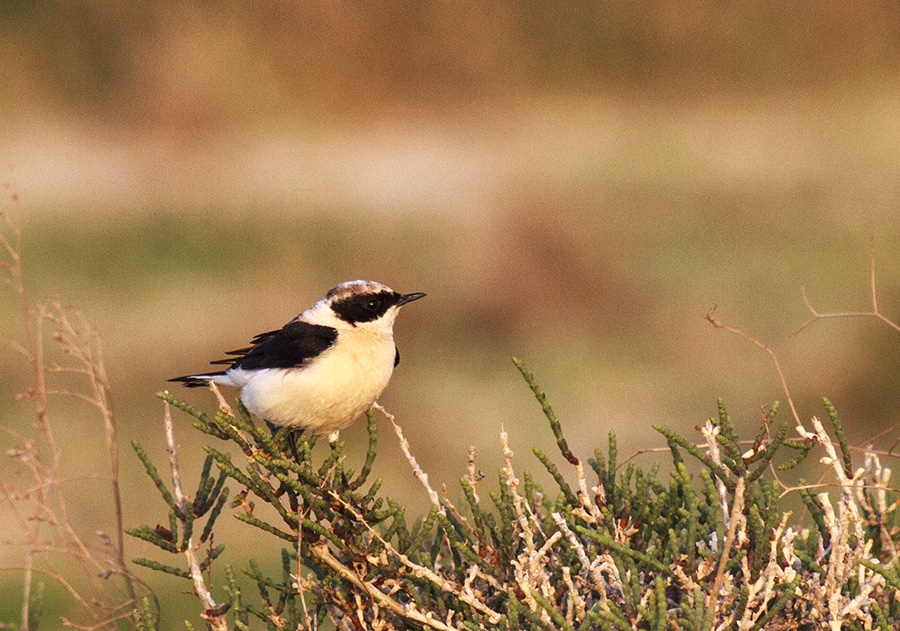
{"x":409,"y":298}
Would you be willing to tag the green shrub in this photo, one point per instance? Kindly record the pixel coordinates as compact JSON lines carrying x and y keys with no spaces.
{"x":627,"y":549}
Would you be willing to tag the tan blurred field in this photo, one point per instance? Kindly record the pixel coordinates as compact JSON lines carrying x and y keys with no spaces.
{"x":573,"y":187}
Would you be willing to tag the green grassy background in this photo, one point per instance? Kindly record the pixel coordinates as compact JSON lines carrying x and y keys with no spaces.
{"x":576,"y":189}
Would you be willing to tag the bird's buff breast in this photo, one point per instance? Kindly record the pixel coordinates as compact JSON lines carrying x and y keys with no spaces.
{"x":324,"y":396}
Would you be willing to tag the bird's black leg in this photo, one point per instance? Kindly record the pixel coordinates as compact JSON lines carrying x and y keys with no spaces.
{"x":290,"y":436}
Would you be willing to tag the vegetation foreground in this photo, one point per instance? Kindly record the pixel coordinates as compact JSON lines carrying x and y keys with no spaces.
{"x":625,"y":550}
{"x":705,"y":544}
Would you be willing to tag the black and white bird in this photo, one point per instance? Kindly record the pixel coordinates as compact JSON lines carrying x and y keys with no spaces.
{"x":325,"y":367}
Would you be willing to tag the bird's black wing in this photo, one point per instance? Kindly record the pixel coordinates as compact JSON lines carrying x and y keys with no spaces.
{"x":291,"y":346}
{"x":262,"y":337}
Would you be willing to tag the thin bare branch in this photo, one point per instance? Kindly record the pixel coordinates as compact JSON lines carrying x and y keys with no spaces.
{"x":872,"y":272}
{"x":417,"y":470}
{"x":421,"y":570}
{"x":874,"y":313}
{"x":711,"y":317}
{"x":223,"y":404}
{"x":216,"y":620}
{"x":735,"y":517}
{"x":322,"y":552}
{"x":472,"y":477}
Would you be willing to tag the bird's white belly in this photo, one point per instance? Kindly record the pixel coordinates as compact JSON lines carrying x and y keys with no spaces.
{"x":326,"y":395}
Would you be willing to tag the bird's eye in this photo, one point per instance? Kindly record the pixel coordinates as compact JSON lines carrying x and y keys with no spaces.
{"x":372,"y":304}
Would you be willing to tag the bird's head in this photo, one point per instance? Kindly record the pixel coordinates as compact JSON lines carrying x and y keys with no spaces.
{"x":360,"y":304}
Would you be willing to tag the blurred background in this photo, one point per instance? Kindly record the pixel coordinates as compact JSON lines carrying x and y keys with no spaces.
{"x":575,"y":184}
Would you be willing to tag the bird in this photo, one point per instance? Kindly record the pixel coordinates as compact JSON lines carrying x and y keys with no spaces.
{"x":324,"y":368}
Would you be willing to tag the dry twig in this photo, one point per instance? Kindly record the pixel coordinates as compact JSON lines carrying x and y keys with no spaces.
{"x":211,"y":609}
{"x":417,"y":470}
{"x":42,"y":455}
{"x":874,"y":313}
